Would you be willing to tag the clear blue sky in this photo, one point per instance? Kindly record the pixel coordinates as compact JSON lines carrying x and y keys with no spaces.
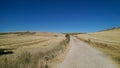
{"x":59,"y":15}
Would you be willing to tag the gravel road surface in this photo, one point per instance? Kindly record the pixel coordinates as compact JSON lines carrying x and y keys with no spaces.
{"x":81,"y":55}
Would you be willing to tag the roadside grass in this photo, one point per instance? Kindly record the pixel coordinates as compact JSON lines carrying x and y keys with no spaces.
{"x":106,"y":41}
{"x":35,"y":54}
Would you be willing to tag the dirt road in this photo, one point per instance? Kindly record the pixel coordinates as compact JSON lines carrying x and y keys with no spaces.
{"x":83,"y":56}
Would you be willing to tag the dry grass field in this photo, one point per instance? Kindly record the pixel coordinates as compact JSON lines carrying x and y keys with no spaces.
{"x":32,"y":49}
{"x":107,"y":41}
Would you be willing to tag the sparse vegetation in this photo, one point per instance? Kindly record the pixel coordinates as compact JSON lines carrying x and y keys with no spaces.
{"x":107,"y":41}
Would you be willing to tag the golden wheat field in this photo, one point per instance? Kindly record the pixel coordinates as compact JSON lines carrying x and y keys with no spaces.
{"x":107,"y":41}
{"x":31,"y":49}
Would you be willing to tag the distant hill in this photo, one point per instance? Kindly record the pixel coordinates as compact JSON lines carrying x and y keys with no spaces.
{"x":113,"y":28}
{"x":29,"y":33}
{"x":75,"y":33}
